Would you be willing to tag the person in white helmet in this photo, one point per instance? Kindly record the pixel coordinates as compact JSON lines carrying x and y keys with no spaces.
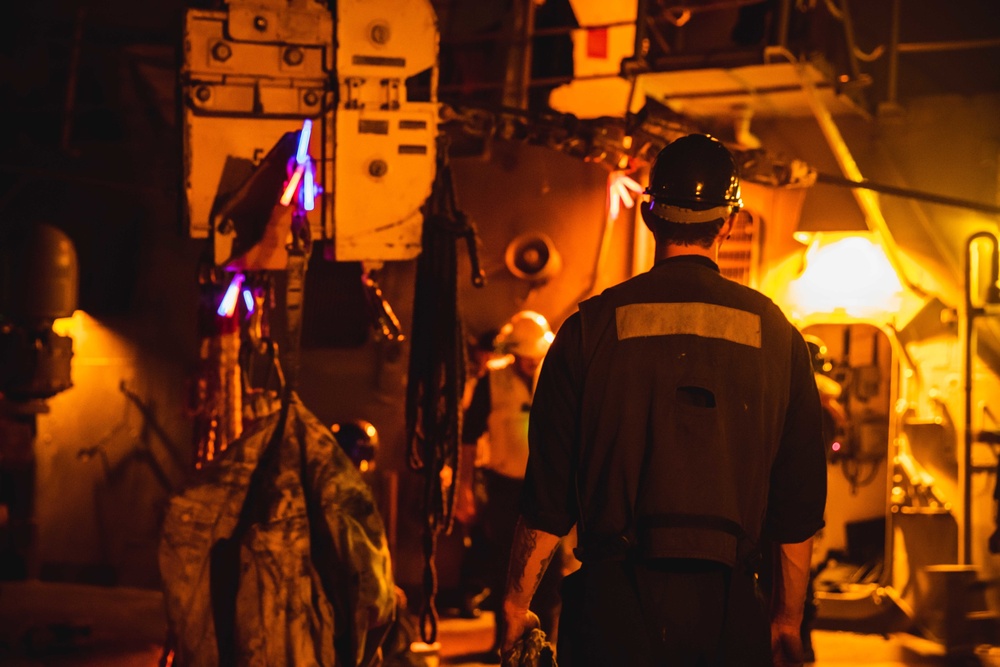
{"x":495,"y":427}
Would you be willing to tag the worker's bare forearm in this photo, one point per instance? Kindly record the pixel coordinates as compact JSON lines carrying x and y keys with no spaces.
{"x":793,"y":582}
{"x":529,"y":556}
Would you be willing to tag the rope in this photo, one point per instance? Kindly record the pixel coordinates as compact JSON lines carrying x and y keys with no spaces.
{"x":437,"y":370}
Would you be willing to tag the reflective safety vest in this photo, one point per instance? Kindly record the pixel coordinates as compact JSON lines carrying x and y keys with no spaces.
{"x":505,"y":450}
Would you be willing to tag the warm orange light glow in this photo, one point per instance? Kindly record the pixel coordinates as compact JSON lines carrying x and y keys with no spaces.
{"x":93,"y":341}
{"x":72,"y":326}
{"x":497,"y":363}
{"x":846,"y":274}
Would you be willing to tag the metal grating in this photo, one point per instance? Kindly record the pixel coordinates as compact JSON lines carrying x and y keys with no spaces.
{"x":738,"y":255}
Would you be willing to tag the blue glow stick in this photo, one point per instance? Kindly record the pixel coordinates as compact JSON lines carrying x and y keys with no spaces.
{"x":228,"y":305}
{"x":302,"y":153}
{"x":309,"y":187}
{"x":248,"y":300}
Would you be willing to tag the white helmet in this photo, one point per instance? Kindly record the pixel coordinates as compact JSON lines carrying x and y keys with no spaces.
{"x":526,"y":335}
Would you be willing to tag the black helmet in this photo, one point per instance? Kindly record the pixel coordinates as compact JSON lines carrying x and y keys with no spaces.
{"x":693,"y":179}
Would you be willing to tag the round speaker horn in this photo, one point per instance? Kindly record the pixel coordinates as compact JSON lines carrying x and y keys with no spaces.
{"x":532,"y":256}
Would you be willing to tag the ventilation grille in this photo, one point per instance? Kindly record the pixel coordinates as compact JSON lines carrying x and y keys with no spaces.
{"x":738,"y":255}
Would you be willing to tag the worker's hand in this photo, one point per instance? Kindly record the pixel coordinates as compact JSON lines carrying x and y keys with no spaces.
{"x":786,"y":644}
{"x":520,"y":621}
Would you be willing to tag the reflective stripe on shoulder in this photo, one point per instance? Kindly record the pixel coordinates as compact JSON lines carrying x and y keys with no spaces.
{"x":697,"y":319}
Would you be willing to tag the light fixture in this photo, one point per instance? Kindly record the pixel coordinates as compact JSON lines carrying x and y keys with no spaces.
{"x":847,"y":274}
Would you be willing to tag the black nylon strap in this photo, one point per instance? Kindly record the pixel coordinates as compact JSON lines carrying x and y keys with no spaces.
{"x":621,"y":546}
{"x":680,"y":520}
{"x":294,"y":296}
{"x":747,"y":549}
{"x":299,"y":251}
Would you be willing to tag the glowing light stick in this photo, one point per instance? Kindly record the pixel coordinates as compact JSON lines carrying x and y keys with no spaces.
{"x":303,"y":167}
{"x":248,"y":300}
{"x":302,"y":152}
{"x":293,"y":184}
{"x":620,"y":189}
{"x":228,"y":305}
{"x":309,"y":186}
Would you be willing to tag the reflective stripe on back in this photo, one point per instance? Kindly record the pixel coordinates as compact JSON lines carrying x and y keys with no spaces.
{"x":697,"y":319}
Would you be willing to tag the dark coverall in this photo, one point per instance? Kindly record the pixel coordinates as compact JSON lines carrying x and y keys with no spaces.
{"x":676,"y":421}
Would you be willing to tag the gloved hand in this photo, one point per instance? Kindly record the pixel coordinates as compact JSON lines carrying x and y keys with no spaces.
{"x":519,"y":623}
{"x":531,"y":650}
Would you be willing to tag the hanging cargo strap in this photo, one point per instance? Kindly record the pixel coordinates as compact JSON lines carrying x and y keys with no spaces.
{"x":298,"y":260}
{"x":437,"y":370}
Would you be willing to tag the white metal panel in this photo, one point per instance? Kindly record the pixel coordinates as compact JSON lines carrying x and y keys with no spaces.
{"x":254,"y":72}
{"x":240,"y":97}
{"x":606,"y":36}
{"x":385,"y":144}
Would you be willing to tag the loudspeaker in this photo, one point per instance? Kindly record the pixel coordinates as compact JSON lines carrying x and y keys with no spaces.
{"x":532,"y":256}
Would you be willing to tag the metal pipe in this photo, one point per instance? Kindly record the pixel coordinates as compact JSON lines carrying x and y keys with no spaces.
{"x":711,"y":6}
{"x":556,"y":80}
{"x":553,"y":31}
{"x":852,"y":58}
{"x":527,"y":57}
{"x":909,"y":193}
{"x":641,"y":25}
{"x":72,"y":76}
{"x":599,"y":262}
{"x":956,"y":45}
{"x":895,"y":429}
{"x":865,"y":198}
{"x":517,"y":76}
{"x":893,"y":83}
{"x":968,"y":351}
{"x":784,"y":15}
